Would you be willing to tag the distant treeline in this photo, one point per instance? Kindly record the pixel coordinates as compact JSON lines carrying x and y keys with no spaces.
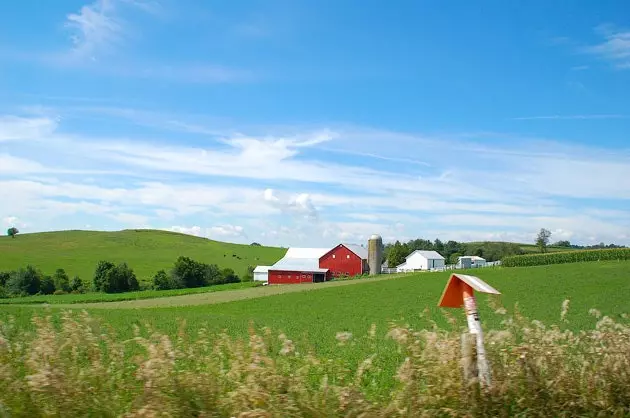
{"x":451,"y":250}
{"x":115,"y":278}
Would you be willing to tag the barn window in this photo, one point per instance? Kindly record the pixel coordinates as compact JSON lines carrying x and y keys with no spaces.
{"x":348,"y":256}
{"x":333,"y":255}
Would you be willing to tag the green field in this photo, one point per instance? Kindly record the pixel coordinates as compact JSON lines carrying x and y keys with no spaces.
{"x":146,"y":251}
{"x":312,"y":315}
{"x":315,"y":312}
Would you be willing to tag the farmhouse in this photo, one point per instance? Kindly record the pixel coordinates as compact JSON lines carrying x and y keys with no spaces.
{"x":421,"y":260}
{"x":312,"y":265}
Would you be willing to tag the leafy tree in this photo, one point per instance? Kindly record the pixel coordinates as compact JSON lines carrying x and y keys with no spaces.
{"x":542,"y":240}
{"x":229,"y":276}
{"x":4,"y":277}
{"x":566,"y":244}
{"x":438,"y":246}
{"x":188,"y":272}
{"x":47,"y":285}
{"x":112,"y":278}
{"x":249,"y":276}
{"x":212,"y":275}
{"x":12,"y":232}
{"x":162,"y":281}
{"x":255,"y":244}
{"x":76,"y":285}
{"x":454,"y":258}
{"x":61,"y":280}
{"x":25,"y":281}
{"x":397,"y":254}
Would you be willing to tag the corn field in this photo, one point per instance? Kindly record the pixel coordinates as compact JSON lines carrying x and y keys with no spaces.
{"x":566,"y":257}
{"x":74,"y":366}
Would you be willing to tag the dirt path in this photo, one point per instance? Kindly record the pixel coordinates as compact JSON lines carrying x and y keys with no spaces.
{"x":214,"y":297}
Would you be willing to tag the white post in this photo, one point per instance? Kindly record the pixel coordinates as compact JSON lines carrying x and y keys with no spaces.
{"x":474,"y":326}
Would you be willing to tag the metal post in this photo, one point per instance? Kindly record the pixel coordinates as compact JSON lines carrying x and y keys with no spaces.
{"x":474,"y":326}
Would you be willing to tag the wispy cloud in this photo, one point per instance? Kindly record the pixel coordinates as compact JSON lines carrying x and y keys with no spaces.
{"x":96,"y":27}
{"x":234,"y":178}
{"x":571,"y":117}
{"x":615,"y":47}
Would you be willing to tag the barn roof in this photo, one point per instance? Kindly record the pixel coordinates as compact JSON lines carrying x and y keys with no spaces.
{"x":298,"y":264}
{"x":262,"y":269}
{"x":429,"y":255}
{"x":360,"y":251}
{"x":306,"y":252}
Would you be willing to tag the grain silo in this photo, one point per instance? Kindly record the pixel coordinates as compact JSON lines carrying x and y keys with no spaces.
{"x":375,"y":254}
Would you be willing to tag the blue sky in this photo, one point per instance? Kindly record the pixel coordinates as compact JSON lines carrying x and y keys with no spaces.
{"x":314,"y":122}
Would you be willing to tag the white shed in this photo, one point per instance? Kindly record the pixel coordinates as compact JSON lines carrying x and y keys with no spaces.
{"x":261,"y":273}
{"x":470,"y":260}
{"x":422,"y":260}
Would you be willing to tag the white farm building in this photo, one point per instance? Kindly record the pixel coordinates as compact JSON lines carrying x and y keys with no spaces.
{"x":261,"y":273}
{"x":421,"y":260}
{"x":470,"y":261}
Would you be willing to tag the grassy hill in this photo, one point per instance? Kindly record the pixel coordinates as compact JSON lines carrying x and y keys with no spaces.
{"x":146,"y":251}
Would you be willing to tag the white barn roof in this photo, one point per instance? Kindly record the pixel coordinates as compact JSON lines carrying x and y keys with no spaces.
{"x":358,"y":250}
{"x":306,"y":252}
{"x":262,"y":269}
{"x":429,"y":255}
{"x":298,"y":264}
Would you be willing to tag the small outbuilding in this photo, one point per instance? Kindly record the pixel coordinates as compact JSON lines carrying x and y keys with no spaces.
{"x":261,"y":273}
{"x":421,"y":260}
{"x":470,"y":261}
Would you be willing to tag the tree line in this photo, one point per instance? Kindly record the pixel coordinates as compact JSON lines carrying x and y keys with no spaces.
{"x":115,"y":278}
{"x":395,"y":253}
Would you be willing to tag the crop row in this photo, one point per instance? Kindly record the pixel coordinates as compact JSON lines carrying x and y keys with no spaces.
{"x":566,"y":257}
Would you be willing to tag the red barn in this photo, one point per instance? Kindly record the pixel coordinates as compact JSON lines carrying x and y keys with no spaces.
{"x":347,"y":259}
{"x":308,"y":265}
{"x":299,"y":265}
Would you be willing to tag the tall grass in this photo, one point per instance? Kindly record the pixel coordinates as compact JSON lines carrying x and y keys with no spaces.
{"x":566,"y":257}
{"x":76,"y":366}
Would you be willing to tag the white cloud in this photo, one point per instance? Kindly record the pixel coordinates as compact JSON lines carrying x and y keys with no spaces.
{"x":15,"y":128}
{"x":192,"y":230}
{"x":320,"y":196}
{"x":96,"y":27}
{"x":615,"y":47}
{"x":226,"y":231}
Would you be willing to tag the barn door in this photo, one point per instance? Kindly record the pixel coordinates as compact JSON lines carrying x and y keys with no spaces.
{"x":318,"y":277}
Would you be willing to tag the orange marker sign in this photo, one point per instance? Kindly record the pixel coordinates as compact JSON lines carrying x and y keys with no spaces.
{"x":459,"y":292}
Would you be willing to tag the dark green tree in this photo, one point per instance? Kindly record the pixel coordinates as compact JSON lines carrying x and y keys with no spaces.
{"x":47,"y":285}
{"x":112,"y":278}
{"x":62,"y":281}
{"x":76,"y":284}
{"x":12,"y":232}
{"x":5,"y":276}
{"x":229,"y":276}
{"x":26,"y":281}
{"x":162,"y":281}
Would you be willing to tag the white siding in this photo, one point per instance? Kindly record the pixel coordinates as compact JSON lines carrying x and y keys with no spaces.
{"x":419,"y":261}
{"x":262,"y":276}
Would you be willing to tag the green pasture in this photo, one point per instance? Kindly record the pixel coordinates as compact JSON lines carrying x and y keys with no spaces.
{"x":146,"y":251}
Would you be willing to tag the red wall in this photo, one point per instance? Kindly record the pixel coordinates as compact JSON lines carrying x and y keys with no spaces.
{"x":289,"y":277}
{"x":341,"y":264}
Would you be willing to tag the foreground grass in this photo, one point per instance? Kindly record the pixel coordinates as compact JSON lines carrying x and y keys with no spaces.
{"x":313,"y":316}
{"x":146,"y":251}
{"x":80,"y":367}
{"x":97,"y":297}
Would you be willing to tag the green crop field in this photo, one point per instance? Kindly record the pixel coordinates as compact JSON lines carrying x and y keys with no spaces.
{"x":146,"y":251}
{"x":313,"y":315}
{"x":315,"y":312}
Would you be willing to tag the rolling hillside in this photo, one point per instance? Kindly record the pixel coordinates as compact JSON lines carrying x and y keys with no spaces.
{"x":146,"y":251}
